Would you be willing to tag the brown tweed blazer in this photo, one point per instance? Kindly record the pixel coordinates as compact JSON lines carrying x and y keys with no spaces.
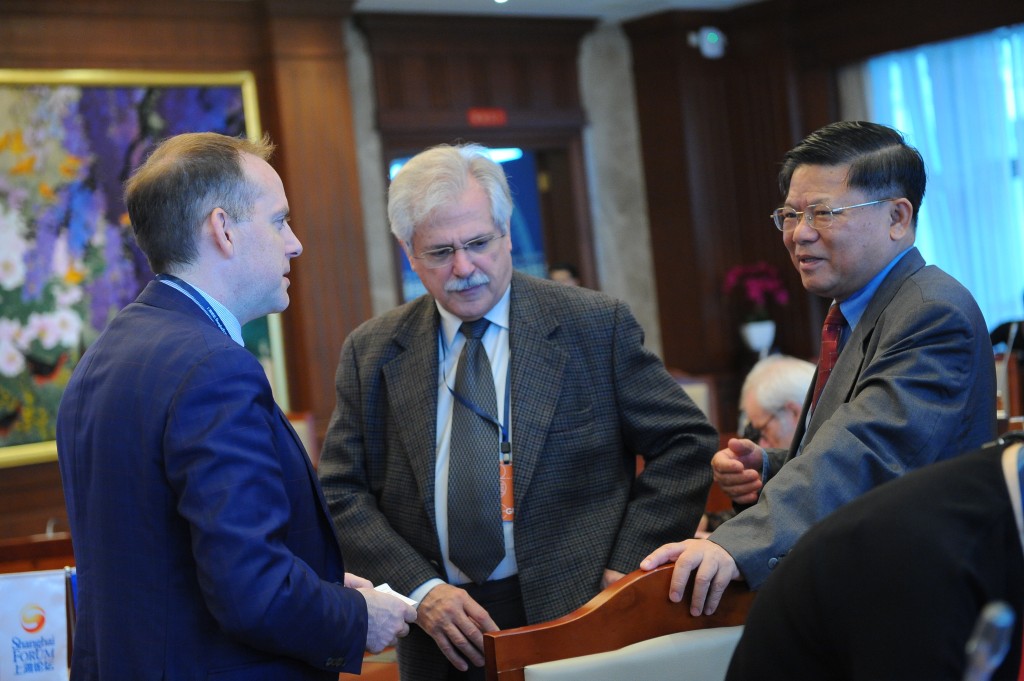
{"x":586,"y":397}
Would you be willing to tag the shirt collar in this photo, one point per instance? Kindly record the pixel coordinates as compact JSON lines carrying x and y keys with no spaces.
{"x":853,"y":307}
{"x":231,"y":322}
{"x":497,"y":315}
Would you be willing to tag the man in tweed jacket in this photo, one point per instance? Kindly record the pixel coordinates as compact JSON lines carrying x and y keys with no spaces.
{"x":584,"y":397}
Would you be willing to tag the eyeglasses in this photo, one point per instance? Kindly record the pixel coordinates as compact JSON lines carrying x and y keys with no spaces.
{"x":767,"y":421}
{"x":754,"y":433}
{"x":818,"y":215}
{"x":440,"y":257}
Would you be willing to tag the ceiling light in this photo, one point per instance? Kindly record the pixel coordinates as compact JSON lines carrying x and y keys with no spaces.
{"x":709,"y":40}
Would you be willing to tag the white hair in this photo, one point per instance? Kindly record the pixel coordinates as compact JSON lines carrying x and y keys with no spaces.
{"x":776,"y":380}
{"x":436,"y":178}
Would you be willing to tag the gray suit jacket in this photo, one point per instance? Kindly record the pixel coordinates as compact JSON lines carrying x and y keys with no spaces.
{"x":914,"y":384}
{"x":586,"y":398}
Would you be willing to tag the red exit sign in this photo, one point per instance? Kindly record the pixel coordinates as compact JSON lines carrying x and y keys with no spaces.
{"x":486,"y":117}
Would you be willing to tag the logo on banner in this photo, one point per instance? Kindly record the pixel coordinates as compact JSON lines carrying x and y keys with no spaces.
{"x":33,"y":633}
{"x":33,"y":618}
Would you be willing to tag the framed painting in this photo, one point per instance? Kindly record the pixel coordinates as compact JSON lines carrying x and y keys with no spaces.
{"x":68,"y":262}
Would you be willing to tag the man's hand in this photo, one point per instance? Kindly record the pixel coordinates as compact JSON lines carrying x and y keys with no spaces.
{"x":737,"y":470}
{"x":715,"y":569}
{"x":610,"y":577}
{"x":356,"y":582}
{"x":387,"y":617}
{"x":457,"y":624}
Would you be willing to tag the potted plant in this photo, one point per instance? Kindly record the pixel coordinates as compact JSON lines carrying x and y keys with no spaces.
{"x":758,"y":285}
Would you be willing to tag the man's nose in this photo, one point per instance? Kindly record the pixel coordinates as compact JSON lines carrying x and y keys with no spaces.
{"x":461,"y":264}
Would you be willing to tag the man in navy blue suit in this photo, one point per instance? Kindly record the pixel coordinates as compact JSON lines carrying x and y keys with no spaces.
{"x":202,"y":539}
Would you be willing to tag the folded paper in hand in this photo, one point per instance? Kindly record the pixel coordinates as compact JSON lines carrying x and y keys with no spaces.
{"x":384,"y":588}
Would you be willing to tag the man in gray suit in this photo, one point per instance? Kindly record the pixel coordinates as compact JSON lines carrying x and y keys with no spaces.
{"x":575,"y":398}
{"x":914,"y":381}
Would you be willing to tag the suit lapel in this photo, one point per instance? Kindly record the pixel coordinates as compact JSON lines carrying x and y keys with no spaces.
{"x":411,"y":383}
{"x":300,"y":450}
{"x":537,"y":367}
{"x":849,"y":366}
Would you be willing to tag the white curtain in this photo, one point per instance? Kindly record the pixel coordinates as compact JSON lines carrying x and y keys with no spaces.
{"x":961,"y":103}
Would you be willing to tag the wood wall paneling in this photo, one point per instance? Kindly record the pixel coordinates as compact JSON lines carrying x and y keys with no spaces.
{"x":31,"y":500}
{"x":312,"y":117}
{"x":710,"y":146}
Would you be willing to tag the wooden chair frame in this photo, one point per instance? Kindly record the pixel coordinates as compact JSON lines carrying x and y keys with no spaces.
{"x":635,"y":608}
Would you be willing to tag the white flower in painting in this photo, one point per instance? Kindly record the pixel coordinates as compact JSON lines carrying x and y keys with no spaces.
{"x":42,"y":327}
{"x":60,"y":261}
{"x":12,"y":225}
{"x":63,"y":327}
{"x":30,"y":331}
{"x":66,"y":297}
{"x":12,"y":268}
{"x":10,"y":330}
{"x":12,"y":362}
{"x":68,"y":327}
{"x":12,"y":259}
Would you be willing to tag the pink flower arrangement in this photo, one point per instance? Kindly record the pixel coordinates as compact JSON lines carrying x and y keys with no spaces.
{"x":759,"y":284}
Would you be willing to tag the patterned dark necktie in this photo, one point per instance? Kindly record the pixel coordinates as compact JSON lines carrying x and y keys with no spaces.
{"x":476,"y":542}
{"x":830,"y":333}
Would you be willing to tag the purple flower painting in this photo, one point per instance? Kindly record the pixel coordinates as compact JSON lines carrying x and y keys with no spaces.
{"x":68,"y":261}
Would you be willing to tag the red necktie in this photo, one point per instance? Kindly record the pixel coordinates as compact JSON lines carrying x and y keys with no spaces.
{"x":830,"y":332}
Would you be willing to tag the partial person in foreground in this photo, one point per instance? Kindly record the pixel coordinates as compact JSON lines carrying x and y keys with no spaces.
{"x":485,"y":436}
{"x":905,"y":377}
{"x":890,"y":586}
{"x":203,"y":543}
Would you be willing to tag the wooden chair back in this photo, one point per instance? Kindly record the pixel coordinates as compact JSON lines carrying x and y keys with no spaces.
{"x":636,"y":608}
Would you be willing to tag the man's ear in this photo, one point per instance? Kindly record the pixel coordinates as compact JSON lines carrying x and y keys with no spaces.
{"x":407,"y":249}
{"x":221,"y":230}
{"x":901,"y":215}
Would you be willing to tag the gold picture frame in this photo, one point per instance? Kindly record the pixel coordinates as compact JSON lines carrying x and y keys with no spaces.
{"x":98,"y":123}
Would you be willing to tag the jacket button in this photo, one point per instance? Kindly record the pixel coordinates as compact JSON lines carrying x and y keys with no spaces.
{"x":772,"y":562}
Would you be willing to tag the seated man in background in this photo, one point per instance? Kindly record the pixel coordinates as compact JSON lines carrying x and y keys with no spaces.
{"x":772,"y":398}
{"x":905,"y":378}
{"x":891,"y":585}
{"x":770,"y":401}
{"x":564,"y":273}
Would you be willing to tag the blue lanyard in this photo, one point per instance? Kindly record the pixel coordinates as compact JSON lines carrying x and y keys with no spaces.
{"x":200,"y":300}
{"x":506,"y":443}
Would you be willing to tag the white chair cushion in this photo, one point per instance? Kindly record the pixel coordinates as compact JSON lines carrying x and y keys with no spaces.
{"x":700,"y":655}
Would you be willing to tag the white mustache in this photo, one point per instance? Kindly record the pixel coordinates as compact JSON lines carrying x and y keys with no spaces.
{"x":456,"y":284}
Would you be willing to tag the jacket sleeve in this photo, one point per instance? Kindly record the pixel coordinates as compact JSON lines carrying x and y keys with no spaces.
{"x":361,"y":469}
{"x":921,"y":394}
{"x":238,"y":491}
{"x":660,"y":422}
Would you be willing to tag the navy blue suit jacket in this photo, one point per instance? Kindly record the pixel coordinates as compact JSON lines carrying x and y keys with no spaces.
{"x":202,"y":540}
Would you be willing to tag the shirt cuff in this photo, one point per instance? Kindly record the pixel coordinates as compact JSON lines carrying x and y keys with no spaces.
{"x":420,"y":592}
